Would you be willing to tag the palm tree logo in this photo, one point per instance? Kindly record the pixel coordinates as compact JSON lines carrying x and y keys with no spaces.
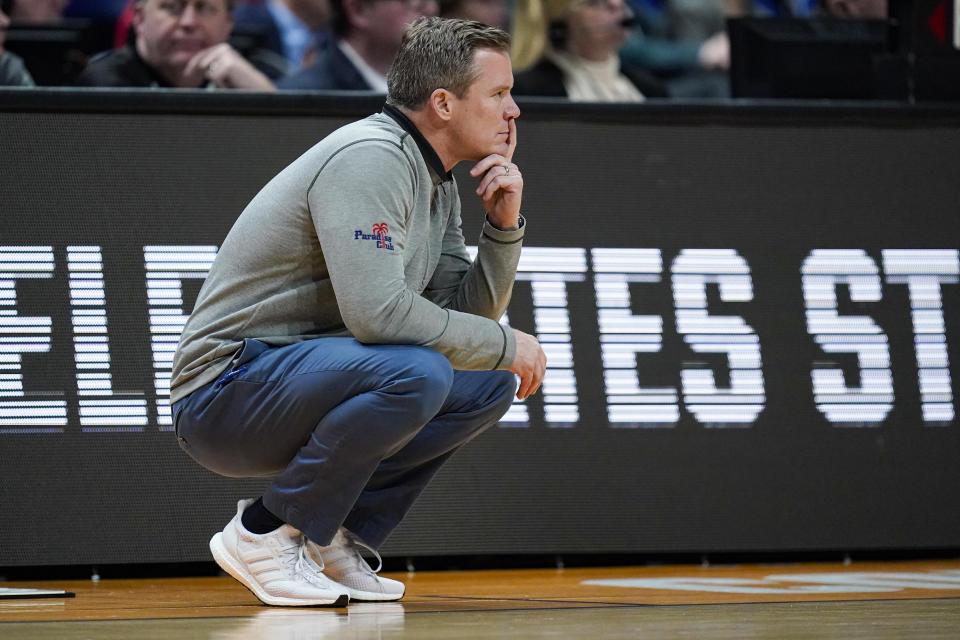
{"x":380,"y":230}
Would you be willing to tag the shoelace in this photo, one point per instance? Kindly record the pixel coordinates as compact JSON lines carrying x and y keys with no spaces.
{"x":355,"y":544}
{"x":309,"y":567}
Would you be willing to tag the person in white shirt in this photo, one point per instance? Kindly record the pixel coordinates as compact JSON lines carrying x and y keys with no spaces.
{"x":568,"y":48}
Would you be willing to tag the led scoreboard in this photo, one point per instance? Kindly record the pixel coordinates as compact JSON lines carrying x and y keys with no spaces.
{"x":750,"y":325}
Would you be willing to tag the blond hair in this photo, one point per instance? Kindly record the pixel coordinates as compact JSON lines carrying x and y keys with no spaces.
{"x":532,"y":20}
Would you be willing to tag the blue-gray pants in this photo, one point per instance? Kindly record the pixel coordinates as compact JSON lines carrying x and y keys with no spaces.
{"x":350,"y":433}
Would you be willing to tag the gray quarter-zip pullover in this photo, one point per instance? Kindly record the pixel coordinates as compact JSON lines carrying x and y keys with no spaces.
{"x":360,"y":237}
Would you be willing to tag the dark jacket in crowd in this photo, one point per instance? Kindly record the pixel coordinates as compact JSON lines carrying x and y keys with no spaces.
{"x":546,"y":79}
{"x":332,"y":71}
{"x":120,"y":68}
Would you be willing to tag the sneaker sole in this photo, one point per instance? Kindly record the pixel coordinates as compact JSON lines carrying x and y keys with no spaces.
{"x":372,"y":596}
{"x":241,"y":575}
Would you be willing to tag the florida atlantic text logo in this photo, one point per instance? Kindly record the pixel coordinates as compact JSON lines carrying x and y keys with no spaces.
{"x":379,"y":234}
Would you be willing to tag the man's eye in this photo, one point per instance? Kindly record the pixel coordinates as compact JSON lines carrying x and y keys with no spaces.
{"x":175,"y":8}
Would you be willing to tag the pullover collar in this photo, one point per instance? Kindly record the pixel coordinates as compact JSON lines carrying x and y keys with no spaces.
{"x":429,"y":155}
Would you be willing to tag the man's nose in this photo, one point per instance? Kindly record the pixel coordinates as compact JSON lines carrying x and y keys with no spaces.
{"x":512,"y":111}
{"x":188,"y":17}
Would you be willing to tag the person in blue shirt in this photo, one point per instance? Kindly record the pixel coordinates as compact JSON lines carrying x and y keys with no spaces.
{"x":366,"y":37}
{"x":296,"y":31}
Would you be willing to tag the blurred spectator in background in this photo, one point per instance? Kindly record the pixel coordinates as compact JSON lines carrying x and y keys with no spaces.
{"x":294,"y":30}
{"x":491,"y":12}
{"x":37,"y":10}
{"x":784,"y":8}
{"x":569,"y":48}
{"x":179,"y":43}
{"x":683,"y":42}
{"x":12,"y":71}
{"x":367,"y":35}
{"x":856,"y":9}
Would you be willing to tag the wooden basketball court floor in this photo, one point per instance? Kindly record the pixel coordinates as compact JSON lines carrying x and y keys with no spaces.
{"x":916,"y":599}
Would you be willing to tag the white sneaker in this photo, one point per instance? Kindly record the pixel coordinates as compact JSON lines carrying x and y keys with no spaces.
{"x":343,"y":562}
{"x":275,"y":566}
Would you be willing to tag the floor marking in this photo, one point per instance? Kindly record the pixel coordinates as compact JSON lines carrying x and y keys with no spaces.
{"x":878,"y":582}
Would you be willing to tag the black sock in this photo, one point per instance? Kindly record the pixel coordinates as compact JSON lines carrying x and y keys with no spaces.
{"x":257,"y":519}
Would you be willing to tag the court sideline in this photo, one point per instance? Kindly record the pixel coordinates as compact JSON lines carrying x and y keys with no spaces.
{"x":917,"y":599}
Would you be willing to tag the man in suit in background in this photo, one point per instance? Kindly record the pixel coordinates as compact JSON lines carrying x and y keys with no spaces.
{"x":367,"y":35}
{"x":293,"y":31}
{"x":180,"y":43}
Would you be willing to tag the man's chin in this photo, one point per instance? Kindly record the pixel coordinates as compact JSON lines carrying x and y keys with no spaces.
{"x":180,"y":57}
{"x":500,"y":149}
{"x":172,"y":65}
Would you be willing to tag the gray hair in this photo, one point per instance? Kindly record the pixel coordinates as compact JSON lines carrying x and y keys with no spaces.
{"x":437,"y":53}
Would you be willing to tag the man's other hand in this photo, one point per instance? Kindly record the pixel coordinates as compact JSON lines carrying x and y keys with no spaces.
{"x":530,"y":364}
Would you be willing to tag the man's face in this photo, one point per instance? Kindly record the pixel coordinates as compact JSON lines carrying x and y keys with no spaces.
{"x":596,"y":27}
{"x":170,"y":32}
{"x":480,"y":118}
{"x":387,"y":20}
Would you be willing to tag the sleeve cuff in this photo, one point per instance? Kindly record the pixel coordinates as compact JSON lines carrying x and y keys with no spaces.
{"x":505,"y":236}
{"x":509,"y":348}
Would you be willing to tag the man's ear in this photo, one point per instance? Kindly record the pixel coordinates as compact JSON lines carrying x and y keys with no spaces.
{"x":137,"y":19}
{"x":442,"y":104}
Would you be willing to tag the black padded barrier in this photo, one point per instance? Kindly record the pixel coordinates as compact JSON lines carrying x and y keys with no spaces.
{"x":750,"y":310}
